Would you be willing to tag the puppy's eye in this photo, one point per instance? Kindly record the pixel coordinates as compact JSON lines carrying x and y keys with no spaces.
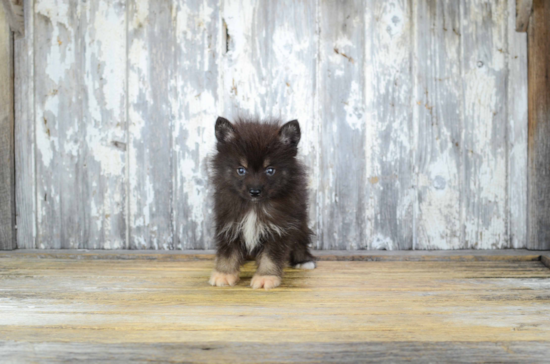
{"x":241,"y":171}
{"x":270,"y":171}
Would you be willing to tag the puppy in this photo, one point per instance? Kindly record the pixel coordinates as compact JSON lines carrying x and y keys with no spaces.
{"x":260,"y":201}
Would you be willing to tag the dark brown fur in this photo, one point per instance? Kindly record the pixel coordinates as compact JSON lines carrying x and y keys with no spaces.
{"x":282,"y":204}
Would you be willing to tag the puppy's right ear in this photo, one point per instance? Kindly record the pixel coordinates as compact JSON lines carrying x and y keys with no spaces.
{"x":224,"y":130}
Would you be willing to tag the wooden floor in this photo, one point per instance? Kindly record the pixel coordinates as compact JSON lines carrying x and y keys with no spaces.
{"x":465,"y":308}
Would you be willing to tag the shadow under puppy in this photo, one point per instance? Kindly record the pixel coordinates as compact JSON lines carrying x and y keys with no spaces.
{"x":260,"y":201}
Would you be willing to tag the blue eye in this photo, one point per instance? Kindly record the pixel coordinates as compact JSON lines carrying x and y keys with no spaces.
{"x":241,"y":171}
{"x":270,"y":171}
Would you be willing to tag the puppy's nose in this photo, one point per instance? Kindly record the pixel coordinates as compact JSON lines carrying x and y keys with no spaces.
{"x":255,"y":192}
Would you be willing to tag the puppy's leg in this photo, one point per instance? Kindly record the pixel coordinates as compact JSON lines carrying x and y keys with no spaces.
{"x":269,"y":272}
{"x":228,"y":262}
{"x":301,"y":258}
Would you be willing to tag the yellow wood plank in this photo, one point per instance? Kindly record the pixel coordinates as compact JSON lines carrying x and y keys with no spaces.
{"x":156,"y":301}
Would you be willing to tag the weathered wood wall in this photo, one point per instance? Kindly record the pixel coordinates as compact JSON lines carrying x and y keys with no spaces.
{"x":414,"y":117}
{"x":539,"y":127}
{"x":7,"y":164}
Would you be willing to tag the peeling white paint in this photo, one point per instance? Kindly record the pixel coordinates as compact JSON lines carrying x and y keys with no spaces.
{"x":378,"y":175}
{"x":381,"y":242}
{"x":354,"y":107}
{"x":44,"y":145}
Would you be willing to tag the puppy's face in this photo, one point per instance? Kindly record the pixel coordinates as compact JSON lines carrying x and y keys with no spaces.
{"x":256,"y":160}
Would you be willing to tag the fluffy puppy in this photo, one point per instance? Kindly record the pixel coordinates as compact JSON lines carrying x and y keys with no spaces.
{"x":260,"y":201}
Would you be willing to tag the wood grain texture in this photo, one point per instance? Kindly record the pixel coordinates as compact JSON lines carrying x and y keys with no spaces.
{"x":389,"y":125}
{"x":517,"y":133}
{"x":308,"y":352}
{"x":151,"y":87}
{"x":413,"y":117}
{"x":322,"y":255}
{"x":58,"y":122}
{"x":194,"y":105}
{"x":539,"y":128}
{"x":13,"y":15}
{"x":7,"y":163}
{"x":473,"y":309}
{"x":80,"y":124}
{"x":438,"y":119}
{"x":523,"y":14}
{"x":484,"y":201}
{"x":25,"y":146}
{"x":343,"y":200}
{"x":103,"y":131}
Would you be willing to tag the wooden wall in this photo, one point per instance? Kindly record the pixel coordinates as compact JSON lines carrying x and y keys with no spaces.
{"x":414,"y":118}
{"x":7,"y":164}
{"x":539,"y":128}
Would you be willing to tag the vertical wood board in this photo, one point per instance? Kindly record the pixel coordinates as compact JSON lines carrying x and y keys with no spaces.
{"x":517,"y":92}
{"x":484,"y":171}
{"x":103,"y":132}
{"x":389,"y":124}
{"x":25,"y":146}
{"x":438,"y":121}
{"x":151,"y":87}
{"x":194,"y":106}
{"x":80,"y":124}
{"x":59,"y":131}
{"x":7,"y":165}
{"x":343,"y":196}
{"x":539,"y":127}
{"x":13,"y":15}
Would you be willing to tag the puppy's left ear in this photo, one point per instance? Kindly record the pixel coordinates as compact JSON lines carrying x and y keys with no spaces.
{"x":290,"y":133}
{"x":224,"y":130}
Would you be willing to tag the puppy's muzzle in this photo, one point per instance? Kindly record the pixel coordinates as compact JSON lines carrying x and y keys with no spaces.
{"x":255,"y":192}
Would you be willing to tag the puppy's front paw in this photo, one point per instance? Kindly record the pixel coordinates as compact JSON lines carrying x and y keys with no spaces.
{"x":306,"y":265}
{"x":223,"y":279}
{"x":266,"y":282}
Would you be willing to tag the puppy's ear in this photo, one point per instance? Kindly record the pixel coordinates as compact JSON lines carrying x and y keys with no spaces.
{"x":290,"y":133}
{"x":224,"y":130}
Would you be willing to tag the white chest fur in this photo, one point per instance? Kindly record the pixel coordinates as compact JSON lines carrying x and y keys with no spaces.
{"x":252,"y":230}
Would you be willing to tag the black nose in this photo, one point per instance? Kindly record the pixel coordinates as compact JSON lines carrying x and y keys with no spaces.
{"x":255,"y":192}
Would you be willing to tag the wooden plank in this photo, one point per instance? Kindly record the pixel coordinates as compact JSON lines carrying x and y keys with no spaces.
{"x":437,"y":112}
{"x":25,"y":188}
{"x":389,"y":126}
{"x":224,"y":352}
{"x":13,"y":14}
{"x":523,"y":13}
{"x":102,"y":149}
{"x":484,"y":202}
{"x":7,"y":164}
{"x":517,"y":133}
{"x":268,"y":69}
{"x":428,"y":256}
{"x":58,"y":126}
{"x":322,"y":255}
{"x":137,"y":305}
{"x":194,"y":106}
{"x":151,"y":87}
{"x":343,"y":199}
{"x":539,"y":127}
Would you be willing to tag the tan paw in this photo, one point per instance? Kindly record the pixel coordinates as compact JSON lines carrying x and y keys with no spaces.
{"x":266,"y":282}
{"x":223,"y":279}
